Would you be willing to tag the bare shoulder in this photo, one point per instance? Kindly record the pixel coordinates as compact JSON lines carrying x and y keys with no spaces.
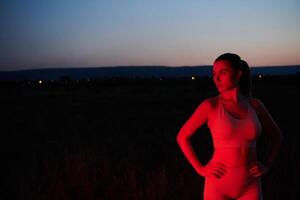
{"x":259,"y":106}
{"x":204,"y":110}
{"x":269,"y":125}
{"x":214,"y":101}
{"x":256,"y":103}
{"x":209,"y":104}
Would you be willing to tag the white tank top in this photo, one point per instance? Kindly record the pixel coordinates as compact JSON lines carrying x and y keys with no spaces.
{"x":229,"y":131}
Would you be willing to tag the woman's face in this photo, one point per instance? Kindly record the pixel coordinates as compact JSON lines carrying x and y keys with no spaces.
{"x":224,"y":76}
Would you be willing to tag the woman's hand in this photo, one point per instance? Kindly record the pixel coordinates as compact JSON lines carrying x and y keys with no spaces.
{"x":214,"y":169}
{"x":257,"y":169}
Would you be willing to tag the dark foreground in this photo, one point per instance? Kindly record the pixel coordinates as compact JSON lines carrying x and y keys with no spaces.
{"x":116,"y":139}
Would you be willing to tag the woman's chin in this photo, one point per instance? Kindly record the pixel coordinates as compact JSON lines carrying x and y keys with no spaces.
{"x":223,"y":89}
{"x":220,"y":90}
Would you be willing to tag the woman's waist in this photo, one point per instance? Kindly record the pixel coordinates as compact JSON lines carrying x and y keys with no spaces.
{"x":235,"y":156}
{"x":234,"y":143}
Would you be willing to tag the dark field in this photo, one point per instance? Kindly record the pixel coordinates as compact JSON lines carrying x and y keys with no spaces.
{"x":116,"y":139}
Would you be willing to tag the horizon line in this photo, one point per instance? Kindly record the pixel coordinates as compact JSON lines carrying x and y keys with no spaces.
{"x":133,"y":66}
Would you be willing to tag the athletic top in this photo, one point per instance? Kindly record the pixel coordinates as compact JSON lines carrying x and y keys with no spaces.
{"x":229,"y":131}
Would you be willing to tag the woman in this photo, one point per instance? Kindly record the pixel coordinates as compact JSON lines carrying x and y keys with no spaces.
{"x":235,"y":120}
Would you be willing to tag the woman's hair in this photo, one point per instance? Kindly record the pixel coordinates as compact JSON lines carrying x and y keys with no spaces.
{"x":238,"y":64}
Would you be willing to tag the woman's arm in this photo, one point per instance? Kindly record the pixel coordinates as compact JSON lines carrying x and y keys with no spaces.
{"x":271,"y":130}
{"x":198,"y":118}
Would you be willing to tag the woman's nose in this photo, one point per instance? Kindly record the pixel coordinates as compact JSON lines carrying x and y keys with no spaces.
{"x":217,"y":78}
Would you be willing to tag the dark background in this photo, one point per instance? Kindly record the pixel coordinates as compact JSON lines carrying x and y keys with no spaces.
{"x":116,"y":138}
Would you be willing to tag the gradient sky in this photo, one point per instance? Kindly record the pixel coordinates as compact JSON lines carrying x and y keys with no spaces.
{"x":81,"y":33}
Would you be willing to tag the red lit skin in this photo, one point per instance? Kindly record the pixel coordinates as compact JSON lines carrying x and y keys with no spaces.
{"x":226,"y":81}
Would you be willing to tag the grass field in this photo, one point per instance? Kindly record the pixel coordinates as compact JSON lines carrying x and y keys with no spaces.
{"x":116,"y":139}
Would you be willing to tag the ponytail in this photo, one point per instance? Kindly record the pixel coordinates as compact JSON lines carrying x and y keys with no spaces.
{"x":245,"y":79}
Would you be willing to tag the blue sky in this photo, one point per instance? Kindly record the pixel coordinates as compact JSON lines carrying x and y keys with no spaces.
{"x":78,"y":33}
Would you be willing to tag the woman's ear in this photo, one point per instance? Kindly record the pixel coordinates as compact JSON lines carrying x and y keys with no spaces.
{"x":239,"y":74}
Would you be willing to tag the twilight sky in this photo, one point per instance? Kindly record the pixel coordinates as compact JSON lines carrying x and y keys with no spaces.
{"x":91,"y":33}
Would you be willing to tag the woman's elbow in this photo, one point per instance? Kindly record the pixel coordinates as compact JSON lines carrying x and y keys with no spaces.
{"x":181,"y":137}
{"x":277,"y":137}
{"x":279,"y":134}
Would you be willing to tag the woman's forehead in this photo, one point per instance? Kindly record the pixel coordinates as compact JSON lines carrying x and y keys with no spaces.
{"x":222,"y":64}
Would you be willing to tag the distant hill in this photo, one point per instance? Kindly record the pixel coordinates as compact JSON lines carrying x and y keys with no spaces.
{"x":132,"y":72}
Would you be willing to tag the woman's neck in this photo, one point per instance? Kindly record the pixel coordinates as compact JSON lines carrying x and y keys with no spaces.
{"x":233,"y":95}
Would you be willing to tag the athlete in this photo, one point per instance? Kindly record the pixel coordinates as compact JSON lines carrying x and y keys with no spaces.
{"x":236,"y":120}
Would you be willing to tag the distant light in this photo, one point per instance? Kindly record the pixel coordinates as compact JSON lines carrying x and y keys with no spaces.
{"x":40,"y":81}
{"x":259,"y":76}
{"x":193,"y":77}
